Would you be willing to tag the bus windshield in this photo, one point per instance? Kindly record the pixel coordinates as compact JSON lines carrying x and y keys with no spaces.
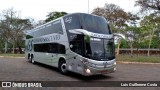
{"x":100,"y":49}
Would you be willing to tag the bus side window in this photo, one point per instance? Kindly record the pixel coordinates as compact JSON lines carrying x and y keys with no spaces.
{"x":76,"y":44}
{"x":61,"y":49}
{"x":45,"y":47}
{"x":52,"y":48}
{"x":56,"y":48}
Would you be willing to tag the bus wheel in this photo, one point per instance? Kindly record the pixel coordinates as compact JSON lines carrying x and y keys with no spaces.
{"x":63,"y":67}
{"x":32,"y":60}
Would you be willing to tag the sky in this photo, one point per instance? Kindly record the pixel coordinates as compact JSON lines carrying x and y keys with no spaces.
{"x":38,"y":9}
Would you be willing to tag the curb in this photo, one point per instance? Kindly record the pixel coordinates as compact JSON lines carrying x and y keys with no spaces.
{"x":138,"y":63}
{"x":10,"y":57}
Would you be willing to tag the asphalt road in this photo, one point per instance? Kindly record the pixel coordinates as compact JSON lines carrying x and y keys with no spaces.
{"x":19,"y":69}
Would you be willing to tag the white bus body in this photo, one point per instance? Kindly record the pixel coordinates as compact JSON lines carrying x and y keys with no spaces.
{"x":81,"y":43}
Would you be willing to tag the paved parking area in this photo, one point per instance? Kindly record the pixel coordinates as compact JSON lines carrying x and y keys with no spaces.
{"x":19,"y":69}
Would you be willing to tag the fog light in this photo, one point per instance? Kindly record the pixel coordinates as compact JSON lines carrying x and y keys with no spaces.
{"x":115,"y":63}
{"x":88,"y":71}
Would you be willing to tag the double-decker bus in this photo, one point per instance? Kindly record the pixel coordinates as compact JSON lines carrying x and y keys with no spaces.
{"x":78,"y":42}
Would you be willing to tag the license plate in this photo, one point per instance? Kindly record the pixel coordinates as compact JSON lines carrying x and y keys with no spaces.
{"x":105,"y":71}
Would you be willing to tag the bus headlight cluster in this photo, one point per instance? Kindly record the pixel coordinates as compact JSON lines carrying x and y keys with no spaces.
{"x":84,"y":61}
{"x":92,"y":65}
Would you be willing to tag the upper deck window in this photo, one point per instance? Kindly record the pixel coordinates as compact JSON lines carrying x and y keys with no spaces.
{"x":94,"y":24}
{"x":88,"y":22}
{"x":50,"y":28}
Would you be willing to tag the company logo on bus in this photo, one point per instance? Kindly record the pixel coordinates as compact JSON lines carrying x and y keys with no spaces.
{"x":29,"y":46}
{"x":68,"y":20}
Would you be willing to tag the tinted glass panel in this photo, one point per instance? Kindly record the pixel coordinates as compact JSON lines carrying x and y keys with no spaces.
{"x":54,"y":27}
{"x":77,"y":44}
{"x":94,"y":24}
{"x":97,"y":48}
{"x":101,"y":49}
{"x":109,"y":49}
{"x":50,"y":48}
{"x":72,"y":22}
{"x":88,"y":22}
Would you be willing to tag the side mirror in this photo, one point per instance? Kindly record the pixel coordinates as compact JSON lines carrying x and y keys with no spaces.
{"x":119,"y":35}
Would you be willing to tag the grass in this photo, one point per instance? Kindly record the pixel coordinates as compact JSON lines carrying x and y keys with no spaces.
{"x":12,"y":55}
{"x":128,"y":58}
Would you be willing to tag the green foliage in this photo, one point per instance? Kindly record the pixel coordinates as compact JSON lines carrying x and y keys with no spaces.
{"x":148,"y":4}
{"x":155,"y":42}
{"x":124,"y":44}
{"x":29,"y":36}
{"x":1,"y":44}
{"x":150,"y":25}
{"x":115,"y":15}
{"x":87,"y":38}
{"x":54,"y":15}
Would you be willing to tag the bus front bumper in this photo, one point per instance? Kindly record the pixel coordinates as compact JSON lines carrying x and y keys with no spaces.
{"x":97,"y":71}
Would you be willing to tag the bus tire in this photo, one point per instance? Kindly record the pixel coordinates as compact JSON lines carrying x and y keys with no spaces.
{"x":62,"y":67}
{"x":32,"y":59}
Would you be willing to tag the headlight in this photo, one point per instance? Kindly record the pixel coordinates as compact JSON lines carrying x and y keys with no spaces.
{"x":88,"y":70}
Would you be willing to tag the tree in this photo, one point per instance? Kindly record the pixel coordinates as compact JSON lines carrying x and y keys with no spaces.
{"x":115,"y":15}
{"x":12,"y":26}
{"x":38,"y":23}
{"x":117,"y":19}
{"x":133,"y":36}
{"x":148,"y":4}
{"x":150,"y":24}
{"x":17,"y":34}
{"x":5,"y":26}
{"x":124,"y":44}
{"x":54,"y":15}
